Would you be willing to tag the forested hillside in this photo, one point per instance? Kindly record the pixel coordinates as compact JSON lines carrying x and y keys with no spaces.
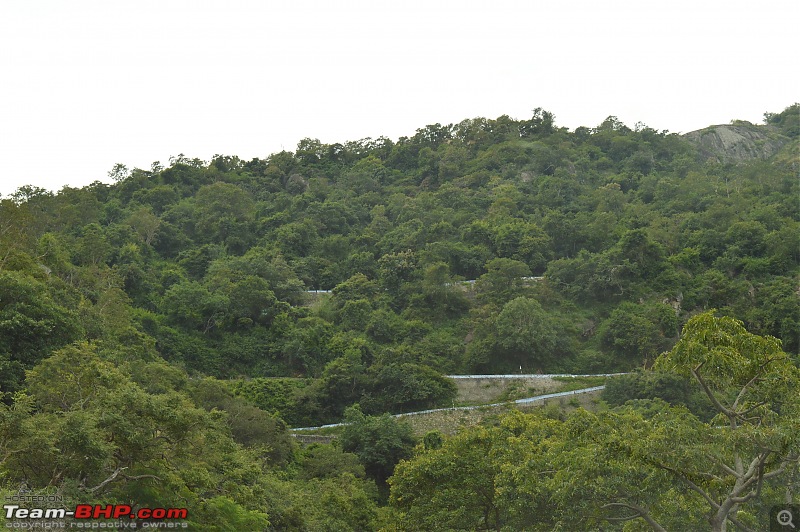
{"x":157,"y":334}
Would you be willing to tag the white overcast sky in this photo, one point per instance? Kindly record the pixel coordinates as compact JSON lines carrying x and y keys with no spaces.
{"x":87,"y":84}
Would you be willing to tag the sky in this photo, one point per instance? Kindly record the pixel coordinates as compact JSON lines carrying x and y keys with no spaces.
{"x":87,"y":84}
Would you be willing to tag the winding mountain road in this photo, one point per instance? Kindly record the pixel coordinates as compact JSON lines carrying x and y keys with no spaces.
{"x":526,"y":400}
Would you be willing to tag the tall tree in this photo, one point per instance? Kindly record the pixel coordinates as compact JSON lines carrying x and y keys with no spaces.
{"x":752,"y":384}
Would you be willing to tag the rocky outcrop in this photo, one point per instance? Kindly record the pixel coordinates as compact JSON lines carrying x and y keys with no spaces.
{"x":737,"y":142}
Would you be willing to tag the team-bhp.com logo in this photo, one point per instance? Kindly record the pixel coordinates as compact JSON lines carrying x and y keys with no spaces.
{"x":122,"y":514}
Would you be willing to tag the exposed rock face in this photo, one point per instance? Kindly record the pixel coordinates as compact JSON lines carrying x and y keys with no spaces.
{"x":738,"y":142}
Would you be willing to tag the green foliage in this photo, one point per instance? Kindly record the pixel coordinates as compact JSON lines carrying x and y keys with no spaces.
{"x":432,"y":440}
{"x":116,"y":441}
{"x":327,"y":461}
{"x":452,"y":487}
{"x":639,"y":332}
{"x":526,"y":331}
{"x":503,"y":280}
{"x":221,"y":514}
{"x":787,"y":121}
{"x":249,"y":425}
{"x":380,"y":442}
{"x":651,"y":385}
{"x":405,"y":388}
{"x":193,"y":306}
{"x":276,"y":396}
{"x":32,"y":323}
{"x":490,"y":245}
{"x":223,"y":211}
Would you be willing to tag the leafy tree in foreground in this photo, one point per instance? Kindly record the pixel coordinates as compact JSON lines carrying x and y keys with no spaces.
{"x":728,"y":470}
{"x":459,"y":485}
{"x":87,"y":428}
{"x":648,"y":462}
{"x":752,"y":384}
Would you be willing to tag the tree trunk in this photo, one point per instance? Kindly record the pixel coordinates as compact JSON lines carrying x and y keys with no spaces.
{"x":719,"y":525}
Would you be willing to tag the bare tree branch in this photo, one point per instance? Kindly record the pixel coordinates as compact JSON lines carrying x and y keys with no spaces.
{"x":640,"y":512}
{"x":114,"y":475}
{"x":755,"y":378}
{"x":719,"y":406}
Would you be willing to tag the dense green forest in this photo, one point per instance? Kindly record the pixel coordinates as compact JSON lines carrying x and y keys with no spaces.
{"x":159,"y":334}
